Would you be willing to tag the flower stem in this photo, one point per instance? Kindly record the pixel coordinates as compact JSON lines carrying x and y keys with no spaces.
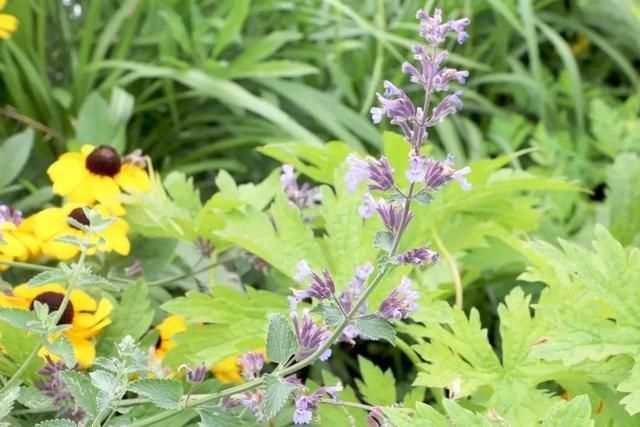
{"x":26,"y":265}
{"x":453,"y":267}
{"x":25,"y":364}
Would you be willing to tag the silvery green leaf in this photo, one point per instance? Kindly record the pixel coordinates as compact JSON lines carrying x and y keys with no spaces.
{"x":46,"y":277}
{"x":89,"y":279}
{"x":104,"y":381}
{"x":281,"y":343}
{"x":423,"y":198}
{"x":7,"y":399}
{"x":73,"y":240}
{"x":112,"y":365}
{"x":33,"y":398}
{"x":17,"y":318}
{"x":375,"y":328}
{"x":332,"y":314}
{"x":97,"y":222}
{"x":276,"y":395}
{"x":384,"y":240}
{"x":396,"y":198}
{"x":164,"y":393}
{"x":82,"y":390}
{"x":62,"y":348}
{"x":216,"y":417}
{"x":57,"y":423}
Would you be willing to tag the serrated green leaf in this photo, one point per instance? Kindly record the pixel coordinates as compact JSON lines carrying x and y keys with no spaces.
{"x":375,"y":328}
{"x":104,"y":381}
{"x":631,"y":385}
{"x":281,"y":342}
{"x":7,"y":399}
{"x":16,"y":317}
{"x":575,"y":413}
{"x":61,"y":422}
{"x":277,"y":393}
{"x":82,"y":390}
{"x":377,"y":388}
{"x":460,"y":416}
{"x":62,"y":348}
{"x":164,"y":393}
{"x":50,"y":276}
{"x":33,"y":398}
{"x":332,"y":314}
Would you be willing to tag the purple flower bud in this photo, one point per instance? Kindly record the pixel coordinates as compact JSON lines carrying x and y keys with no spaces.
{"x":134,"y":270}
{"x":418,"y":256}
{"x":251,"y":363}
{"x":303,"y":196}
{"x":309,"y":335}
{"x":377,"y":172}
{"x":417,"y":168}
{"x":9,"y":214}
{"x":197,"y":375}
{"x":400,"y":303}
{"x":451,"y":104}
{"x":306,"y":404}
{"x":435,"y":32}
{"x":320,"y":288}
{"x":395,"y":104}
{"x":376,"y":418}
{"x":391,"y":214}
{"x":439,"y":172}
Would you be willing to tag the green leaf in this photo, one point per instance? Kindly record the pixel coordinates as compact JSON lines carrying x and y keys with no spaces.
{"x":232,"y":25}
{"x":14,"y":152}
{"x":332,"y":314}
{"x":164,"y":393}
{"x":631,"y":385}
{"x":213,"y":417}
{"x":82,"y":390}
{"x":277,"y":393}
{"x":375,"y":328}
{"x":7,"y":399}
{"x":281,"y":342}
{"x":104,"y":381}
{"x":46,"y":277}
{"x":16,"y":317}
{"x":62,"y":348}
{"x":132,"y":316}
{"x":575,"y":413}
{"x":33,"y":398}
{"x":460,"y":416}
{"x":377,"y":388}
{"x":182,"y":191}
{"x":95,"y":125}
{"x":384,"y":241}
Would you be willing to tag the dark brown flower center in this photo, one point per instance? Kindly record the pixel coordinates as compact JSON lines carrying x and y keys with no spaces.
{"x":78,"y":215}
{"x":104,"y":160}
{"x":54,"y":300}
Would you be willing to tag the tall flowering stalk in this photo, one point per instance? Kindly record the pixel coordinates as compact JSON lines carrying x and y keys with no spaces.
{"x":346,"y":316}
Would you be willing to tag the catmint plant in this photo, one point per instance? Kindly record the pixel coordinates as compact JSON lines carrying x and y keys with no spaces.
{"x":307,"y":335}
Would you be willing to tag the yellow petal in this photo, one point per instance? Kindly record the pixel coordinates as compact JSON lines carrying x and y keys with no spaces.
{"x":8,"y":23}
{"x":13,"y":302}
{"x":171,"y":326}
{"x":227,"y":371}
{"x":88,"y":320}
{"x":28,"y":293}
{"x":116,"y":239}
{"x":50,"y":223}
{"x":84,"y":351}
{"x":82,"y":301}
{"x":86,"y":149}
{"x":133,"y":178}
{"x":105,"y":189}
{"x":83,"y":193}
{"x":3,"y":3}
{"x":67,"y":173}
{"x":58,"y":250}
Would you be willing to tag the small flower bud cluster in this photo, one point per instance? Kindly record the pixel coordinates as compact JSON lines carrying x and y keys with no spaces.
{"x":304,"y":196}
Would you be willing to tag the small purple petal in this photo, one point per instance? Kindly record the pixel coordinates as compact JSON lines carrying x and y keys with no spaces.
{"x":400,"y":303}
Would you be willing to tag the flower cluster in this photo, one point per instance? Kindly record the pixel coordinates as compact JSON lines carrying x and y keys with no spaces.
{"x":53,"y":386}
{"x":304,"y":196}
{"x":305,"y":404}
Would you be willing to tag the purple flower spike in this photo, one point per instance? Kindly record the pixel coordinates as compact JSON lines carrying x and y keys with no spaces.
{"x":418,"y":256}
{"x":195,"y":375}
{"x":356,"y":287}
{"x":435,"y":32}
{"x":9,"y":214}
{"x":306,"y":404}
{"x":251,"y":363}
{"x":309,"y":335}
{"x":377,"y":172}
{"x":440,"y":172}
{"x":391,"y":215}
{"x":304,"y":196}
{"x":400,"y":303}
{"x":451,"y":104}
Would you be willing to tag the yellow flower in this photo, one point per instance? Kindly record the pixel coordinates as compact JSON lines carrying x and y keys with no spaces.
{"x":227,"y":371}
{"x":8,"y":23}
{"x":51,"y":223}
{"x":96,"y":174}
{"x":170,"y":326}
{"x":19,"y":242}
{"x":86,"y":316}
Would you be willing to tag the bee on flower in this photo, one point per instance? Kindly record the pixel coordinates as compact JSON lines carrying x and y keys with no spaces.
{"x":52,"y":223}
{"x":86,"y":316}
{"x":98,"y":174}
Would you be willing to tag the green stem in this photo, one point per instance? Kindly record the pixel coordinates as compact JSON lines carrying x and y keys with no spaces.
{"x":309,"y":359}
{"x":16,"y":376}
{"x":453,"y":267}
{"x":348,"y":404}
{"x":26,"y":265}
{"x":409,"y":352}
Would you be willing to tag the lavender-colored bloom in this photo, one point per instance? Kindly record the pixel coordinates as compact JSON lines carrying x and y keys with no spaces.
{"x":355,"y":288}
{"x":53,"y":386}
{"x":418,"y":256}
{"x":320,"y":288}
{"x":391,"y":214}
{"x":451,"y":104}
{"x":400,"y":303}
{"x":306,"y":404}
{"x":435,"y":32}
{"x":195,"y":375}
{"x":134,"y":270}
{"x":417,"y":168}
{"x":377,"y":172}
{"x":368,"y":206}
{"x":304,"y":196}
{"x":309,"y":335}
{"x":251,"y":363}
{"x":9,"y":214}
{"x":302,"y":271}
{"x":439,"y":172}
{"x":252,"y":400}
{"x":376,"y":418}
{"x":395,"y":104}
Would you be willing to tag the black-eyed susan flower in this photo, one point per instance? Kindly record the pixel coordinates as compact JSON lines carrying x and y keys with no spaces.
{"x":86,"y":316}
{"x":17,"y":233}
{"x":97,"y":174}
{"x":8,"y":23}
{"x":170,"y":326}
{"x":52,"y":223}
